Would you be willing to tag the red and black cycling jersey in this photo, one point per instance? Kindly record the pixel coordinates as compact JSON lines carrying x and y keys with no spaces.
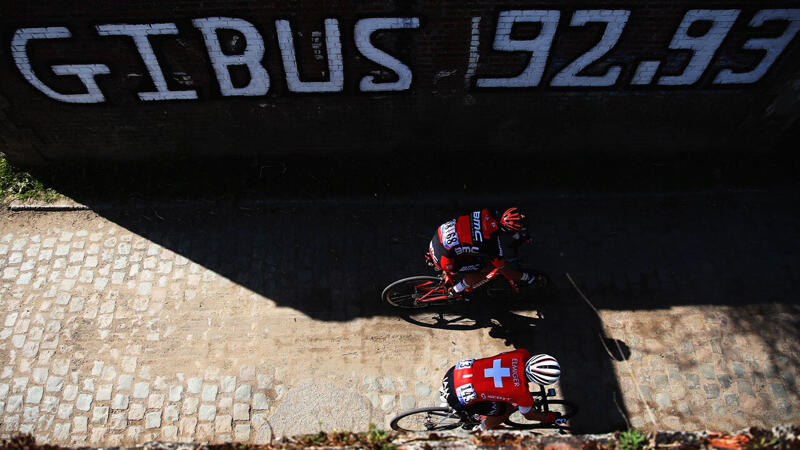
{"x":497,"y":379}
{"x":467,"y":242}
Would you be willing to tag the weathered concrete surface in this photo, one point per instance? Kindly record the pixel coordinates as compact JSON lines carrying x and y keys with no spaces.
{"x":202,"y":325}
{"x":310,"y":407}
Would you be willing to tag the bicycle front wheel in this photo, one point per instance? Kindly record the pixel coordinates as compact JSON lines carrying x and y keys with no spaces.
{"x":567,"y":410}
{"x":416,"y":292}
{"x":426,"y":419}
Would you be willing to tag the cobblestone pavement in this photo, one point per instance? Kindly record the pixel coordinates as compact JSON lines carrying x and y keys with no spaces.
{"x":125,"y":327}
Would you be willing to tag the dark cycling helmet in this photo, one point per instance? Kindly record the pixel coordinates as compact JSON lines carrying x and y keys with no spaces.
{"x":513,"y":221}
{"x":542,"y":369}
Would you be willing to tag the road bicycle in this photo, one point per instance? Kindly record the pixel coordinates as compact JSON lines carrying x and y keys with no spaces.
{"x":440,"y":418}
{"x":425,"y":291}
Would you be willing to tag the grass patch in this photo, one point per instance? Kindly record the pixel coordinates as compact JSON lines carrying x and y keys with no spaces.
{"x":632,"y":439}
{"x":375,"y":439}
{"x":19,"y":185}
{"x":763,"y":443}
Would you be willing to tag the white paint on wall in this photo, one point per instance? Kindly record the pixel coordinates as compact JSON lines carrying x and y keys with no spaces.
{"x":363,"y":33}
{"x":316,"y":45}
{"x":539,"y":48}
{"x":333,"y":45}
{"x":474,"y":44}
{"x":645,"y":72}
{"x":139,"y":33}
{"x":615,"y":22}
{"x":773,"y":46}
{"x":703,"y":47}
{"x":251,"y":57}
{"x":86,"y":72}
{"x":328,"y":44}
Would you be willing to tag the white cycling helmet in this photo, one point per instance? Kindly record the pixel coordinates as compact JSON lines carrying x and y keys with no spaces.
{"x":542,"y":369}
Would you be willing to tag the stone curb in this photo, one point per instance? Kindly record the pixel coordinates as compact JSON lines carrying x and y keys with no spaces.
{"x":47,"y":207}
{"x":787,"y":434}
{"x":423,"y":199}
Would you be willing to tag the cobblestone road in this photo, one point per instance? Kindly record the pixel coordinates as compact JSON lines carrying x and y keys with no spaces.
{"x":123,"y":327}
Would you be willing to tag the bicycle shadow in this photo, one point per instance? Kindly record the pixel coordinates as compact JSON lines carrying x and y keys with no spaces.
{"x":472,"y":314}
{"x":559,"y":324}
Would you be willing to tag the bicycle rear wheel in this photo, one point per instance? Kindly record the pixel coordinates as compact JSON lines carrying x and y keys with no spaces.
{"x":416,"y":292}
{"x":567,"y":410}
{"x":435,"y":418}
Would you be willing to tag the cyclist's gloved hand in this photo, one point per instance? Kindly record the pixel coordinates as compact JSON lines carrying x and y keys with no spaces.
{"x":528,"y":278}
{"x":552,"y":416}
{"x":521,"y":238}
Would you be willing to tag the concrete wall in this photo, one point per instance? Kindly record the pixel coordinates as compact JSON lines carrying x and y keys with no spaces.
{"x":142,"y":80}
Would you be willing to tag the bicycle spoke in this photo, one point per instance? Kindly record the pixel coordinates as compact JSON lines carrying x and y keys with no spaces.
{"x":431,"y":421}
{"x":415,"y":292}
{"x":442,"y":319}
{"x":427,"y":419}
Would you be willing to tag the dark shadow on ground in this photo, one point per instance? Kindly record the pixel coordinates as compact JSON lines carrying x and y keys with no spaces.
{"x":308,"y":248}
{"x":560,"y":324}
{"x":331,"y":260}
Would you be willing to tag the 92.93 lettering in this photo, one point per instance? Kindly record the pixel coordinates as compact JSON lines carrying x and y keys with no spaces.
{"x":702,"y":48}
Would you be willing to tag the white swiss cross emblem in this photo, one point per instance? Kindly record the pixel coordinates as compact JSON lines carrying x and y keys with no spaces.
{"x":497,"y":372}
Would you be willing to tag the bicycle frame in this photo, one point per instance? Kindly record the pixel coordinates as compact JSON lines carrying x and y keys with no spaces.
{"x":490,"y":276}
{"x":440,"y":293}
{"x":542,"y":404}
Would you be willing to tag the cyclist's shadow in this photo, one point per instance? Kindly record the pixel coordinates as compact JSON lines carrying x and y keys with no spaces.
{"x":555,"y":323}
{"x":568,"y":329}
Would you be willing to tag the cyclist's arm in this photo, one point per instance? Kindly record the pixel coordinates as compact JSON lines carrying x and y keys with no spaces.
{"x":525,"y":405}
{"x":532,"y":414}
{"x":509,"y":272}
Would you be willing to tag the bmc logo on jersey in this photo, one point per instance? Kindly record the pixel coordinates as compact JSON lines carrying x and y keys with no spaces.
{"x":477,"y":236}
{"x":460,"y":250}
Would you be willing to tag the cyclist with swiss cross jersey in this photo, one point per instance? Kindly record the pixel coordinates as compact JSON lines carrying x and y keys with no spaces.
{"x":493,"y":386}
{"x":470,"y":245}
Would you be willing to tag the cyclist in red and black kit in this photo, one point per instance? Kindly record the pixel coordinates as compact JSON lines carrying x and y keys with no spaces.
{"x":468,"y":247}
{"x":496,"y":386}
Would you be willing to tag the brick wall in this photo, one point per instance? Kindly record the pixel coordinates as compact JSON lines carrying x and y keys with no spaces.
{"x":141,"y":80}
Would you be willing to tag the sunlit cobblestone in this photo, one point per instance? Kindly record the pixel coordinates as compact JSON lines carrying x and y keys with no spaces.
{"x":108,"y":336}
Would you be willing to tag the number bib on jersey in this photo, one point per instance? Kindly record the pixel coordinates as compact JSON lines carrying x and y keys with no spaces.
{"x":466,"y":393}
{"x":449,"y":234}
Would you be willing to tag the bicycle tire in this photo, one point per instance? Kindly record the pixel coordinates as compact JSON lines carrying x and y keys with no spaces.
{"x":433,"y":418}
{"x":404,"y":293}
{"x":567,"y":410}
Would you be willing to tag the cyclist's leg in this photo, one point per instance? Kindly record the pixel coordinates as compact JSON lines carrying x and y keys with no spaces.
{"x":467,"y":277}
{"x":495,"y":414}
{"x":472,"y":277}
